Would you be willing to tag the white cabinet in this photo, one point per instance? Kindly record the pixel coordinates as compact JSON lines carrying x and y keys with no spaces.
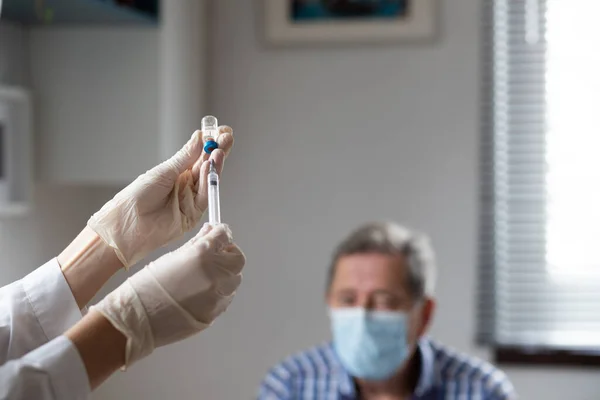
{"x":96,"y":96}
{"x":16,"y":158}
{"x":113,"y":101}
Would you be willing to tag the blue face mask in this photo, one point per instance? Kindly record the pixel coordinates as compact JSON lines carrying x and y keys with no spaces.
{"x":371,"y":345}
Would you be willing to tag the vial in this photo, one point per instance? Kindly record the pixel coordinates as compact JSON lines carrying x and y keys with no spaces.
{"x":210,"y":131}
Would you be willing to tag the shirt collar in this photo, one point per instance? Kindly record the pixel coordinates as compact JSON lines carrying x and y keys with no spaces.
{"x":426,"y":375}
{"x":344,"y":380}
{"x":346,"y":384}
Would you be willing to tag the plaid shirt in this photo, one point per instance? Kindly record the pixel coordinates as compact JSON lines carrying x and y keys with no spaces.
{"x":316,"y":374}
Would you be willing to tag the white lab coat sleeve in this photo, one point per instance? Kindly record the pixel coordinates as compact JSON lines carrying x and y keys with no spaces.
{"x":35,"y":310}
{"x":53,"y":371}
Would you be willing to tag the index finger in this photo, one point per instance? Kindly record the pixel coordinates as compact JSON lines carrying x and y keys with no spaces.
{"x":225,"y":141}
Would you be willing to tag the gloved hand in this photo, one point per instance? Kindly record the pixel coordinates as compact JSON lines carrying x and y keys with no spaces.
{"x":162,"y":204}
{"x":177,"y":295}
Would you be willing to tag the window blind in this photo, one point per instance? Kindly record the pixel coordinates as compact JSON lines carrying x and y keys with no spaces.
{"x":539,"y":270}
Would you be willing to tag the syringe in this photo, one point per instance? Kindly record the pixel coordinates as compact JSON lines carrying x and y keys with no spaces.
{"x":214,"y":207}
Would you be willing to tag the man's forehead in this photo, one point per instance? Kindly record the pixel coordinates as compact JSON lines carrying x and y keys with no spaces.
{"x":371,"y":267}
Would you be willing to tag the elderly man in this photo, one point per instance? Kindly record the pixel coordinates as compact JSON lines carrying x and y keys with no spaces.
{"x":380,"y":300}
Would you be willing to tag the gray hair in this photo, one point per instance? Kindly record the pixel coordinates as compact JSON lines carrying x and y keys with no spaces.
{"x":392,"y":239}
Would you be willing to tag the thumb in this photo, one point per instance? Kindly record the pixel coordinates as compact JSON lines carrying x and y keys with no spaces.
{"x":185,"y":158}
{"x":217,"y":238}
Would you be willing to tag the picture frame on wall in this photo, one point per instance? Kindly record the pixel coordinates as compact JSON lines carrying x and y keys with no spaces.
{"x":290,"y":22}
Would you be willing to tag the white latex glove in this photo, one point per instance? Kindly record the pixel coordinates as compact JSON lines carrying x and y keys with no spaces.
{"x":162,"y":204}
{"x":177,"y":295}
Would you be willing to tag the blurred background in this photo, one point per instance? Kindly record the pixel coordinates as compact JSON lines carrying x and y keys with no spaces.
{"x":329,"y":136}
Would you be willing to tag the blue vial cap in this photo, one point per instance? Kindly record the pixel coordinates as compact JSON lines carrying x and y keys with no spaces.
{"x":210,"y":145}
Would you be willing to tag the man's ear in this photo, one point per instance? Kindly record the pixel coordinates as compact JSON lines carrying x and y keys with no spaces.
{"x":427,"y":311}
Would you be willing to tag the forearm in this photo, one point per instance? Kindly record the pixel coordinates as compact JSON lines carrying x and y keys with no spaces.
{"x":100,"y":345}
{"x":53,"y":371}
{"x":87,"y":264}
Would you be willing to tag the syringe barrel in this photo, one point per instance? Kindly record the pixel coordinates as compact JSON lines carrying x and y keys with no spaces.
{"x":214,"y":207}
